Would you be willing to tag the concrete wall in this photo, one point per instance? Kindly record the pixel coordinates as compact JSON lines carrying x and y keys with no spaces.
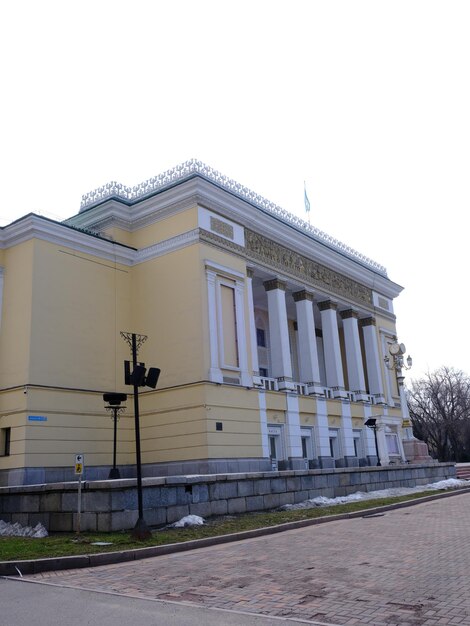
{"x":112,"y":505}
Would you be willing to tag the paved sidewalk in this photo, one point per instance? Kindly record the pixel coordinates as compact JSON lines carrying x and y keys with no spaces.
{"x":407,"y":567}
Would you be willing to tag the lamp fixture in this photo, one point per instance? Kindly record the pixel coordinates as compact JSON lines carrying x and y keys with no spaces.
{"x":397,"y":362}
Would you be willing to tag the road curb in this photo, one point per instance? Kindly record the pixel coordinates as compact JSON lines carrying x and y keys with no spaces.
{"x":35,"y":566}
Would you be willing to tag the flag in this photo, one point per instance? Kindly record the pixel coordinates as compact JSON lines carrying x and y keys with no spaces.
{"x":306,"y":200}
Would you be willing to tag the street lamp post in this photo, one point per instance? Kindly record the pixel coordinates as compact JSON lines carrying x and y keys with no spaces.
{"x":397,"y":363}
{"x":138,"y":378}
{"x":372,"y":424}
{"x":114,"y":405}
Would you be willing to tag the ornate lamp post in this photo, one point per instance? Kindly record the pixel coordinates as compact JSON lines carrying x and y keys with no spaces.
{"x":138,"y":378}
{"x":114,"y":405}
{"x":397,"y":363}
{"x":372,"y":424}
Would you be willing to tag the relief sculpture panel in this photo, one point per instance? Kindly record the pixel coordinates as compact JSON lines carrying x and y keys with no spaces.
{"x":259,"y":248}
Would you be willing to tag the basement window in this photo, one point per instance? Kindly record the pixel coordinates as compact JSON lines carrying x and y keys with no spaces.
{"x":5,"y":437}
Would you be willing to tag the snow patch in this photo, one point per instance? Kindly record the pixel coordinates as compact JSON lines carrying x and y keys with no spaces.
{"x":188,"y":520}
{"x":450,"y":483}
{"x":16,"y":530}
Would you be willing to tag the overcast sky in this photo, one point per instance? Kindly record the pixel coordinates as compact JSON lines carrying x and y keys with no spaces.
{"x":367,"y":101}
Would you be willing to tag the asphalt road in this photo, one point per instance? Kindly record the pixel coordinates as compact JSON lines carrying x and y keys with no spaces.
{"x":25,"y":603}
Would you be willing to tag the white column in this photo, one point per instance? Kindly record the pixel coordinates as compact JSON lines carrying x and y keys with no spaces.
{"x":215,"y":373}
{"x":293,"y":436}
{"x":252,"y":324}
{"x":308,"y":355}
{"x":356,"y":379}
{"x":279,"y":333}
{"x":333,"y":364}
{"x":245,"y":378}
{"x":374,"y":369}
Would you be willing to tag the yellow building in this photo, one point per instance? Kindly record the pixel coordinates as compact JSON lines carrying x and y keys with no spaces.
{"x":270,"y":335}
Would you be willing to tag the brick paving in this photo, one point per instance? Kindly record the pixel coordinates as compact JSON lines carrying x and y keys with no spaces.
{"x":407,"y":567}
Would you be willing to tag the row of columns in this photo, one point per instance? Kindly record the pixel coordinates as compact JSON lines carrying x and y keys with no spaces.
{"x":309,"y":369}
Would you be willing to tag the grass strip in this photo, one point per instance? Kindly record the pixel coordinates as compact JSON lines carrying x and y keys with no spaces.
{"x":67,"y":544}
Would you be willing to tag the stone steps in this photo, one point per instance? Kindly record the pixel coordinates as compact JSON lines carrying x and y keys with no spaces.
{"x":463,"y":472}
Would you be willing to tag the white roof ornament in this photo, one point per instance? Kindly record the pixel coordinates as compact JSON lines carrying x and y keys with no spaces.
{"x":193,"y":167}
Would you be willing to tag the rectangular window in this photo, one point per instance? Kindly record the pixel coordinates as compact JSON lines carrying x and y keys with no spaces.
{"x":263,"y":372}
{"x":392,"y":443}
{"x":334,"y":443}
{"x":5,"y":437}
{"x":272,"y":446}
{"x":229,"y":324}
{"x":261,"y":337}
{"x":357,"y":440}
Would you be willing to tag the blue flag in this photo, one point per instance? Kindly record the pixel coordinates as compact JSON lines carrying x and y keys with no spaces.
{"x":306,"y":200}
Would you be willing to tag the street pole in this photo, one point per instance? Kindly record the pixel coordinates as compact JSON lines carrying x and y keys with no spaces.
{"x":379,"y":464}
{"x":114,"y":473}
{"x":141,"y":531}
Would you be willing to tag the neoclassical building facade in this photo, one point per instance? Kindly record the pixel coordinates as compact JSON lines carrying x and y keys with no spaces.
{"x":270,"y":336}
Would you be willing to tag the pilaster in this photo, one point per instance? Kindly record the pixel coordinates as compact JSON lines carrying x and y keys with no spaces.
{"x":245,"y":378}
{"x":252,"y":326}
{"x":215,"y":373}
{"x":293,"y":434}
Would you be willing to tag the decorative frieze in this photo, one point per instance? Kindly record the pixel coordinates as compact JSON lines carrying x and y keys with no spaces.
{"x":262,"y":250}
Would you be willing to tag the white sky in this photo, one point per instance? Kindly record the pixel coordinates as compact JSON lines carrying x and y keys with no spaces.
{"x":368,"y":101}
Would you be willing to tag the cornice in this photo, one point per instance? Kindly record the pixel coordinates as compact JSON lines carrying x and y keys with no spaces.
{"x":37,"y":227}
{"x":197,"y":190}
{"x":194,"y":168}
{"x":169,"y":245}
{"x":113,"y":213}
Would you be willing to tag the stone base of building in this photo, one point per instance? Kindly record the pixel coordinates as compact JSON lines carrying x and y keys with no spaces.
{"x":111,"y":505}
{"x":417,"y":453}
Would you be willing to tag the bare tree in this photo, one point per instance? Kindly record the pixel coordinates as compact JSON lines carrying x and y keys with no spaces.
{"x":439,"y":406}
